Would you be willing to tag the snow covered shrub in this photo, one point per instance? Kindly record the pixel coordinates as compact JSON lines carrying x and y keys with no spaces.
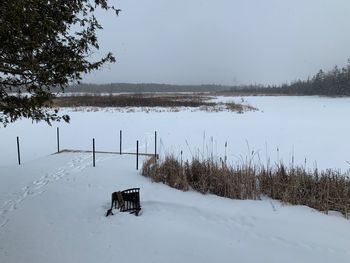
{"x":323,"y":190}
{"x":170,"y":172}
{"x":149,"y":169}
{"x":205,"y":177}
{"x":197,"y":174}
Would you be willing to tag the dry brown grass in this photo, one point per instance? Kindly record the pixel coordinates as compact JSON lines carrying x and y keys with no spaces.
{"x":322,"y":190}
{"x":133,"y":100}
{"x":148,"y":101}
{"x":240,"y":108}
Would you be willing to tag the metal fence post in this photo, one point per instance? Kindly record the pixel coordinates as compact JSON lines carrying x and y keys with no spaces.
{"x":137,"y":155}
{"x":120,"y":141}
{"x":155,"y":144}
{"x":18,"y":152}
{"x":58,"y":139}
{"x":93,"y":153}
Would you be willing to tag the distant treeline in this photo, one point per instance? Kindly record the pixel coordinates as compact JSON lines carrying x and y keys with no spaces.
{"x":335,"y":82}
{"x":142,"y":87}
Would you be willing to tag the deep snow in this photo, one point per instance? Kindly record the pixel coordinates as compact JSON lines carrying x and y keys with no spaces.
{"x":315,"y":129}
{"x":52,"y":210}
{"x":52,"y":206}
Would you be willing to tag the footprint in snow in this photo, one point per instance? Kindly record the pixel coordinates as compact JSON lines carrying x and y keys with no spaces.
{"x":37,"y":187}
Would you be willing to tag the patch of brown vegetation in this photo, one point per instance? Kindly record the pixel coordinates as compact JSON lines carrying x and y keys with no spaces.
{"x":149,"y":101}
{"x":322,"y":190}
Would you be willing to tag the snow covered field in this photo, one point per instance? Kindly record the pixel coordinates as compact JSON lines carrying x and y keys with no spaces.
{"x":52,"y":206}
{"x":52,"y":210}
{"x":311,"y":128}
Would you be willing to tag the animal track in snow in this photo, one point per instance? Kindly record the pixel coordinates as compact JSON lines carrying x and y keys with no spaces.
{"x":37,"y":187}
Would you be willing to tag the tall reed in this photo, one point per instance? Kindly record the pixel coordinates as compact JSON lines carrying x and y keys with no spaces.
{"x":325,"y":191}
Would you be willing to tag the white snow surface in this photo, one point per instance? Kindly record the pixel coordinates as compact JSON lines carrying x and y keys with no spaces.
{"x":52,"y":210}
{"x":52,"y":207}
{"x":312,"y":129}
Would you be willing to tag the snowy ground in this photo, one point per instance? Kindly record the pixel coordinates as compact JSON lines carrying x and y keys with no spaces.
{"x":52,"y":206}
{"x":52,"y":210}
{"x":312,"y":128}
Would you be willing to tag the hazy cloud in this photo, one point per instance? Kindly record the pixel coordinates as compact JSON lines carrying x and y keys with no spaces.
{"x":223,"y":41}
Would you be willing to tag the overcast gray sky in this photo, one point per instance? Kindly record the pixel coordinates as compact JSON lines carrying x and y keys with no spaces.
{"x":223,"y":41}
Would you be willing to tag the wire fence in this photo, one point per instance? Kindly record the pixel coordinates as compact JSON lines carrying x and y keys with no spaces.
{"x":93,"y":150}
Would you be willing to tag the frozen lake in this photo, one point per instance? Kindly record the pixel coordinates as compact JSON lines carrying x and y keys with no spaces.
{"x":311,"y":129}
{"x":52,"y":207}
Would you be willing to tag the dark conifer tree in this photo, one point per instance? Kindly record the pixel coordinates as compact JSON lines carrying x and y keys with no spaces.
{"x":44,"y":44}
